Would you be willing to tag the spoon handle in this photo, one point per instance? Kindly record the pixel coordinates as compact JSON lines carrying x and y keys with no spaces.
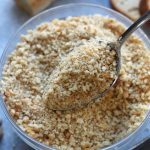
{"x":138,"y":23}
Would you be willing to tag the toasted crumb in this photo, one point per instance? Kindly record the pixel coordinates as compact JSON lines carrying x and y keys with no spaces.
{"x":81,"y":75}
{"x":98,"y":125}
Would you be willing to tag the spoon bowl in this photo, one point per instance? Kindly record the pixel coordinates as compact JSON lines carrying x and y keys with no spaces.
{"x":116,"y":46}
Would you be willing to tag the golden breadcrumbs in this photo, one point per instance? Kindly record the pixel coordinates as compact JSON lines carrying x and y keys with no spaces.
{"x":117,"y":114}
{"x":83,"y":73}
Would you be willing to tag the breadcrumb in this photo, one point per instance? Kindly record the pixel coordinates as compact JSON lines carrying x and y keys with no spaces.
{"x":98,"y":125}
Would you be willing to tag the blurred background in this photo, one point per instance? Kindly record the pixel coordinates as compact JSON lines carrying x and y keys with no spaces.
{"x":13,"y":13}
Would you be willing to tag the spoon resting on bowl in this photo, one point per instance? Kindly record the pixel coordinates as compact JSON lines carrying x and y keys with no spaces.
{"x":87,"y":72}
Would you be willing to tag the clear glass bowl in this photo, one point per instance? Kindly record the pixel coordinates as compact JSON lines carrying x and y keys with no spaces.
{"x":64,"y":11}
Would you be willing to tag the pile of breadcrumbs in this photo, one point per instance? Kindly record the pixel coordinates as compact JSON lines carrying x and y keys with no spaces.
{"x":101,"y":124}
{"x":81,"y":74}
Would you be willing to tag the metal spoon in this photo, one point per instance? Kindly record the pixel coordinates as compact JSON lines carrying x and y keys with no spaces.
{"x":117,"y":47}
{"x":118,"y":44}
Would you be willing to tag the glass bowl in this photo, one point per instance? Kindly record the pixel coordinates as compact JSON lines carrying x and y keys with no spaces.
{"x":131,"y":140}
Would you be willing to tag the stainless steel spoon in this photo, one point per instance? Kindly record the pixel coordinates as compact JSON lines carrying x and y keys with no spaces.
{"x":117,"y":47}
{"x":118,"y":44}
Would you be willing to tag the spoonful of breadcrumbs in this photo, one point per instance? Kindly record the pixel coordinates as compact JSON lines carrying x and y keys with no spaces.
{"x":87,"y":72}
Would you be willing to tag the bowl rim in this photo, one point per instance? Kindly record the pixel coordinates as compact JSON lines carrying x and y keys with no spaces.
{"x":2,"y":62}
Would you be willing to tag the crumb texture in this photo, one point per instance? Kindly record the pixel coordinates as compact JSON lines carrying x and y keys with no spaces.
{"x":84,"y":72}
{"x":36,"y":56}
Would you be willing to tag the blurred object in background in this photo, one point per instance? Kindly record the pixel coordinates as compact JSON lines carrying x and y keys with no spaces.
{"x":133,"y":9}
{"x":129,"y":8}
{"x":1,"y":129}
{"x":33,"y":6}
{"x":145,"y":6}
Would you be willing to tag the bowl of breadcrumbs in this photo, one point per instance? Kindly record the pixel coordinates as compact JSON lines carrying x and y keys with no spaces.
{"x":36,"y":68}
